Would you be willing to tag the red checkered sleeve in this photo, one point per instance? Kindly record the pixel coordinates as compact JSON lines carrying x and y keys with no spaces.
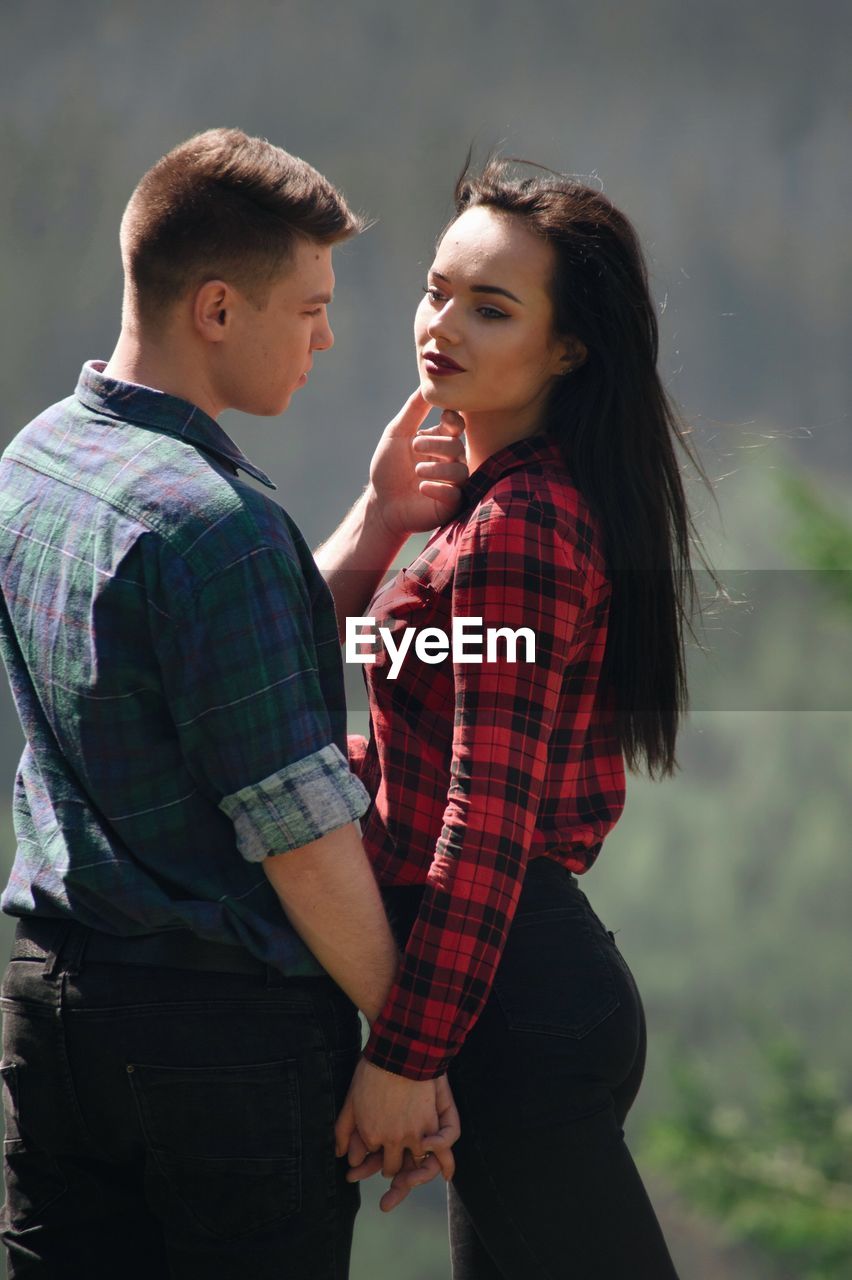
{"x":515,"y":569}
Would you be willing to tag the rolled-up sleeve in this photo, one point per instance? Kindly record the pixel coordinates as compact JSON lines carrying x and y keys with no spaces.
{"x":296,"y":805}
{"x":251,"y":666}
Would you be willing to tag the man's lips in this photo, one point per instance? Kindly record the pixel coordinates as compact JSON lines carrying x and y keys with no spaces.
{"x":440,"y":364}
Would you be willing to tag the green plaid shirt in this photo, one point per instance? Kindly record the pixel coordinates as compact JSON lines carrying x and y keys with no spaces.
{"x":173,"y":654}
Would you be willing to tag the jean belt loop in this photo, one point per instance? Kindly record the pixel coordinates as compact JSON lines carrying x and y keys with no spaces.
{"x":65,"y":953}
{"x":274,"y":977}
{"x":75,"y":948}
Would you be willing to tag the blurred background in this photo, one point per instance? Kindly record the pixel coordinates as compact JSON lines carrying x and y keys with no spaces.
{"x":723,"y":130}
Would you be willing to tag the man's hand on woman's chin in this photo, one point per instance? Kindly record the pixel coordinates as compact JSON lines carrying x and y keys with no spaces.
{"x":416,"y":476}
{"x":404,"y":1127}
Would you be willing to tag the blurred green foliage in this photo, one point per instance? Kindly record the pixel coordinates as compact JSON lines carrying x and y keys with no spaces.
{"x":778,"y":1173}
{"x":820,"y":535}
{"x":774,"y":1162}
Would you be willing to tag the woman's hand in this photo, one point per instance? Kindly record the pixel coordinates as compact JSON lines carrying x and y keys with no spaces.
{"x":415,"y":475}
{"x":403,"y":1127}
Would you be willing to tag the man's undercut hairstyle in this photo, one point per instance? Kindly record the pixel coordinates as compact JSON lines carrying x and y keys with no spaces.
{"x":227,"y":206}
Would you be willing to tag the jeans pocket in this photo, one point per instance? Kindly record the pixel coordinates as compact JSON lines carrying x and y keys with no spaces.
{"x":555,"y":976}
{"x":33,"y":1178}
{"x":225,"y":1142}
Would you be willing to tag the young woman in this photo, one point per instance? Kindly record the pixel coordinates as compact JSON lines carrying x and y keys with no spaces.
{"x":497,"y":778}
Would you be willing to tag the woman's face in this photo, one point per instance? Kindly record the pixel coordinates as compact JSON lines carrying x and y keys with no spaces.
{"x":484,"y":330}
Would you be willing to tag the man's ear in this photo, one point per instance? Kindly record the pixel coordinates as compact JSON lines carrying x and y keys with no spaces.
{"x":212,"y":310}
{"x":574,"y":353}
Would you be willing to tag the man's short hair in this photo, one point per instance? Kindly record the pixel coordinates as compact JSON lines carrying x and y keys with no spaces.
{"x":224,"y":205}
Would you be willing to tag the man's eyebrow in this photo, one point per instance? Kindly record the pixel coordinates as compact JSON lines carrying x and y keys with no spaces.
{"x":324,"y":298}
{"x":483,"y":288}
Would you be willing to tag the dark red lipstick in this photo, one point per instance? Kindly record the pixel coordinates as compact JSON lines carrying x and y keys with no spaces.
{"x":438,"y":365}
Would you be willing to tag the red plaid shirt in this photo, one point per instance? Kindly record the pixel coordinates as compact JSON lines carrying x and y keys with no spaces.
{"x":476,"y":767}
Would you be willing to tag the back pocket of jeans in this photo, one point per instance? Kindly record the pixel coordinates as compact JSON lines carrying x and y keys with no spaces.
{"x":554,"y":976}
{"x":224,"y":1142}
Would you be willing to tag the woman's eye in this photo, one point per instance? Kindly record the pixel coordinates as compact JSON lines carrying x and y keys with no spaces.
{"x":433,"y":294}
{"x":491,"y":313}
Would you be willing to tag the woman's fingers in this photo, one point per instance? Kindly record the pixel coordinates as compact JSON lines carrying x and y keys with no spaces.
{"x":414,"y":1173}
{"x":433,"y":1155}
{"x":366,"y":1169}
{"x":358,"y":1150}
{"x":392,"y":1158}
{"x":449,"y":1128}
{"x":345,"y":1127}
{"x":439,"y":1145}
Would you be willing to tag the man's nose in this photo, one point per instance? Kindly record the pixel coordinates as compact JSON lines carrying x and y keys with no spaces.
{"x":323,"y":337}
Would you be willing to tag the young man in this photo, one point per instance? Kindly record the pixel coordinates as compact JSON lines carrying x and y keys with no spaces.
{"x":197,"y":918}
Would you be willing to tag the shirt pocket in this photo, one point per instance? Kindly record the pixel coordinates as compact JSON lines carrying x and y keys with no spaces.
{"x":225,"y":1142}
{"x":555,"y":976}
{"x":404,"y":595}
{"x":406,"y":602}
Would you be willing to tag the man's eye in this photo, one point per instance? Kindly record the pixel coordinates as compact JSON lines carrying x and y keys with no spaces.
{"x":317,"y":311}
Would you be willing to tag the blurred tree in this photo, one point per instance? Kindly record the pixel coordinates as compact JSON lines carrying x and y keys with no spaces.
{"x":777,"y":1171}
{"x":820,"y":535}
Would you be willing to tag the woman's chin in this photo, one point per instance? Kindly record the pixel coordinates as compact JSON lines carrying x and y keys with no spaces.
{"x":439,"y":397}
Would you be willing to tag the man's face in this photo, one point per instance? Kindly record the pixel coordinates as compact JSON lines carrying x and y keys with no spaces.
{"x":269,"y":352}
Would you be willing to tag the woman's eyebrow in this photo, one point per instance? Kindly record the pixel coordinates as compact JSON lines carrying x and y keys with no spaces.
{"x":493,"y":288}
{"x":482,"y":288}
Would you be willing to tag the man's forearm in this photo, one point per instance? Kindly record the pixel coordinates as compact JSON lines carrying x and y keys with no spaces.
{"x":356,"y":557}
{"x":330,"y":896}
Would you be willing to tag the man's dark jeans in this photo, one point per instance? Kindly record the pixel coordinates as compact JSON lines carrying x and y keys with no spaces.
{"x":165,"y":1122}
{"x":545,"y":1186}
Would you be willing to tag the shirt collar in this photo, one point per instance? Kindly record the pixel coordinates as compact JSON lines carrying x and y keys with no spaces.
{"x":172,"y":416}
{"x":512,"y":457}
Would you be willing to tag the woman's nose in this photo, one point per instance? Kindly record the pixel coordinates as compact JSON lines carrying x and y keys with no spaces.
{"x":444,"y":323}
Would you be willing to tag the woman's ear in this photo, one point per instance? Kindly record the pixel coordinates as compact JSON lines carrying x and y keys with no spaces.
{"x":574,"y":354}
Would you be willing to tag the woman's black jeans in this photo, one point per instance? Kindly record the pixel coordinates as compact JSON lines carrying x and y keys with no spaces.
{"x":545,"y":1186}
{"x":165,"y":1122}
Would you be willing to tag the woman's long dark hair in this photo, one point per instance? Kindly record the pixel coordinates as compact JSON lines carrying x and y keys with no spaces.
{"x":618,"y":428}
